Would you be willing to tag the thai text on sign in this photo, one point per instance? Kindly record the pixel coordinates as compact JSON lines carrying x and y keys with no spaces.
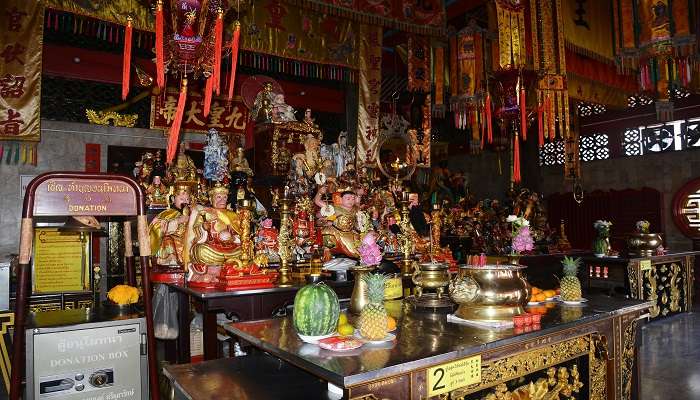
{"x":447,"y":377}
{"x":225,"y":116}
{"x":84,"y":197}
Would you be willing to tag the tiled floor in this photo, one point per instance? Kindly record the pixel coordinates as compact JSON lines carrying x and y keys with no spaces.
{"x":670,"y":358}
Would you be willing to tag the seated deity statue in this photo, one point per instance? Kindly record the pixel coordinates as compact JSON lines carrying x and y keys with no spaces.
{"x":167,"y":230}
{"x":183,"y":169}
{"x":281,"y":111}
{"x":240,"y":163}
{"x":157,"y":194}
{"x":213,"y":238}
{"x":342,"y":235}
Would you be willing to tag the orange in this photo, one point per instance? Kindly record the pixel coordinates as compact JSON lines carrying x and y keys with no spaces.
{"x":536,"y":290}
{"x":550,"y":293}
{"x":390,"y":323}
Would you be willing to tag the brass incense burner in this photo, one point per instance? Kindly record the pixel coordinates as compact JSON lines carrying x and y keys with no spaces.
{"x":491,"y":292}
{"x":644,"y":244}
{"x":433,"y":276}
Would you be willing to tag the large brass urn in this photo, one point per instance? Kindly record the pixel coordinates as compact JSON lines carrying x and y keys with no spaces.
{"x":491,"y":292}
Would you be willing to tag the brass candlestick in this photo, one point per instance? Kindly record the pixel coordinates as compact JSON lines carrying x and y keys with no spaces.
{"x":245,"y":208}
{"x":285,"y":242}
{"x":405,"y":237}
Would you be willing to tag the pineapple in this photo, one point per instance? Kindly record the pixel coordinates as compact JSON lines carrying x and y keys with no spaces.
{"x":570,"y":285}
{"x":373,"y":317}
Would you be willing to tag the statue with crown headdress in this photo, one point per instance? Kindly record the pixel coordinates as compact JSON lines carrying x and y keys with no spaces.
{"x":213,"y":239}
{"x":167,"y":235}
{"x":342,"y":233}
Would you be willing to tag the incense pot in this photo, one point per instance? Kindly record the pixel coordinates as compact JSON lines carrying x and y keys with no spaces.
{"x":433,"y":276}
{"x":491,"y":292}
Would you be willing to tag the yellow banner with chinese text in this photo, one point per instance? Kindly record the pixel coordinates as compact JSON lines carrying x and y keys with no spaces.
{"x":20,"y":69}
{"x":277,"y":28}
{"x":370,"y":84}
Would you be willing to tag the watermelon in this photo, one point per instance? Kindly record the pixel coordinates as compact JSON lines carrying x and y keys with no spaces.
{"x":316,"y":310}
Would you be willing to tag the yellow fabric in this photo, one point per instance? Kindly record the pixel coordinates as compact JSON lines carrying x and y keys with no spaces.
{"x":370,"y":78}
{"x":20,"y":69}
{"x":115,"y":11}
{"x":284,"y":30}
{"x":584,"y":89}
{"x":588,"y":28}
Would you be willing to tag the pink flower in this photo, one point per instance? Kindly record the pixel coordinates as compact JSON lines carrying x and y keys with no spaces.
{"x":370,"y":254}
{"x":523,"y":240}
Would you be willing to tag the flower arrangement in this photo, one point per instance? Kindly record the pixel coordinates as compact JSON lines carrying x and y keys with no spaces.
{"x":602,"y":227}
{"x":370,"y":254}
{"x":123,"y":294}
{"x":522,"y":237}
{"x":642,"y":226}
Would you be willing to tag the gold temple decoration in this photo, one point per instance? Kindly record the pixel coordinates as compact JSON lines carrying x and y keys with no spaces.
{"x":627,"y":362}
{"x":562,"y":381}
{"x":496,"y":373}
{"x":666,"y":283}
{"x":511,"y":50}
{"x":105,"y":117}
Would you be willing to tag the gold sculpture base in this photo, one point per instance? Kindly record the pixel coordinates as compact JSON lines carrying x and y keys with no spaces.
{"x":488,"y":313}
{"x":407,"y":268}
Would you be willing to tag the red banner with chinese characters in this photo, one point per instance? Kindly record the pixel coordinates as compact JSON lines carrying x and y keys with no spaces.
{"x":224,"y":116}
{"x":20,"y":69}
{"x":370,"y":83}
{"x":419,"y":64}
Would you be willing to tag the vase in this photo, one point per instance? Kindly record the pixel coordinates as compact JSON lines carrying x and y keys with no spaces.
{"x":514,"y":259}
{"x":358,"y":299}
{"x":601,"y":246}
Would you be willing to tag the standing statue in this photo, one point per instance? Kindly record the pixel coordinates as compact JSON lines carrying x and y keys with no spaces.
{"x":343,"y":155}
{"x":215,"y":157}
{"x":167,"y":230}
{"x":157,"y":194}
{"x":262,"y":106}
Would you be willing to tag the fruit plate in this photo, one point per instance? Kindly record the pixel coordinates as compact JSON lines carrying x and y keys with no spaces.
{"x":553,"y":298}
{"x":575,"y":302}
{"x":534,"y":303}
{"x":340,"y":343}
{"x":388,"y":338}
{"x":313,"y":339}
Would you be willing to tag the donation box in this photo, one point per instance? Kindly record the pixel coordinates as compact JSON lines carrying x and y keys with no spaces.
{"x":86,"y":354}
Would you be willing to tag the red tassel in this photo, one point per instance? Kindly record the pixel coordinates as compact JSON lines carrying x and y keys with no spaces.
{"x":516,"y":159}
{"x":126,"y":62}
{"x":489,"y":128}
{"x":218,"y":39}
{"x":207,"y":95}
{"x":174,"y":133}
{"x":160,"y":59}
{"x":540,"y":125}
{"x":234,"y":57}
{"x":523,"y":114}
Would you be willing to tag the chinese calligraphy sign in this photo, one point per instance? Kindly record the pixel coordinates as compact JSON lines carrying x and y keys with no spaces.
{"x":226,"y":117}
{"x":370,"y":83}
{"x":20,"y":69}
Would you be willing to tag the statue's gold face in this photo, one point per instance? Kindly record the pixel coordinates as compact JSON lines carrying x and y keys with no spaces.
{"x":219,"y":200}
{"x":181,"y":199}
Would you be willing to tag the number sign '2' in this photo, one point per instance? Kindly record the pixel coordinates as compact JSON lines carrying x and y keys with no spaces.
{"x":447,"y":377}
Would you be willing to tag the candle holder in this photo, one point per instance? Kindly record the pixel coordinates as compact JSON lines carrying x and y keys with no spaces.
{"x":285,"y":241}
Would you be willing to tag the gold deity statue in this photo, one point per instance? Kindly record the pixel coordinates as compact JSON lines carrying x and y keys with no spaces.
{"x":167,"y":230}
{"x":183,"y":170}
{"x":239,"y":162}
{"x":213,"y":237}
{"x":342,"y":235}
